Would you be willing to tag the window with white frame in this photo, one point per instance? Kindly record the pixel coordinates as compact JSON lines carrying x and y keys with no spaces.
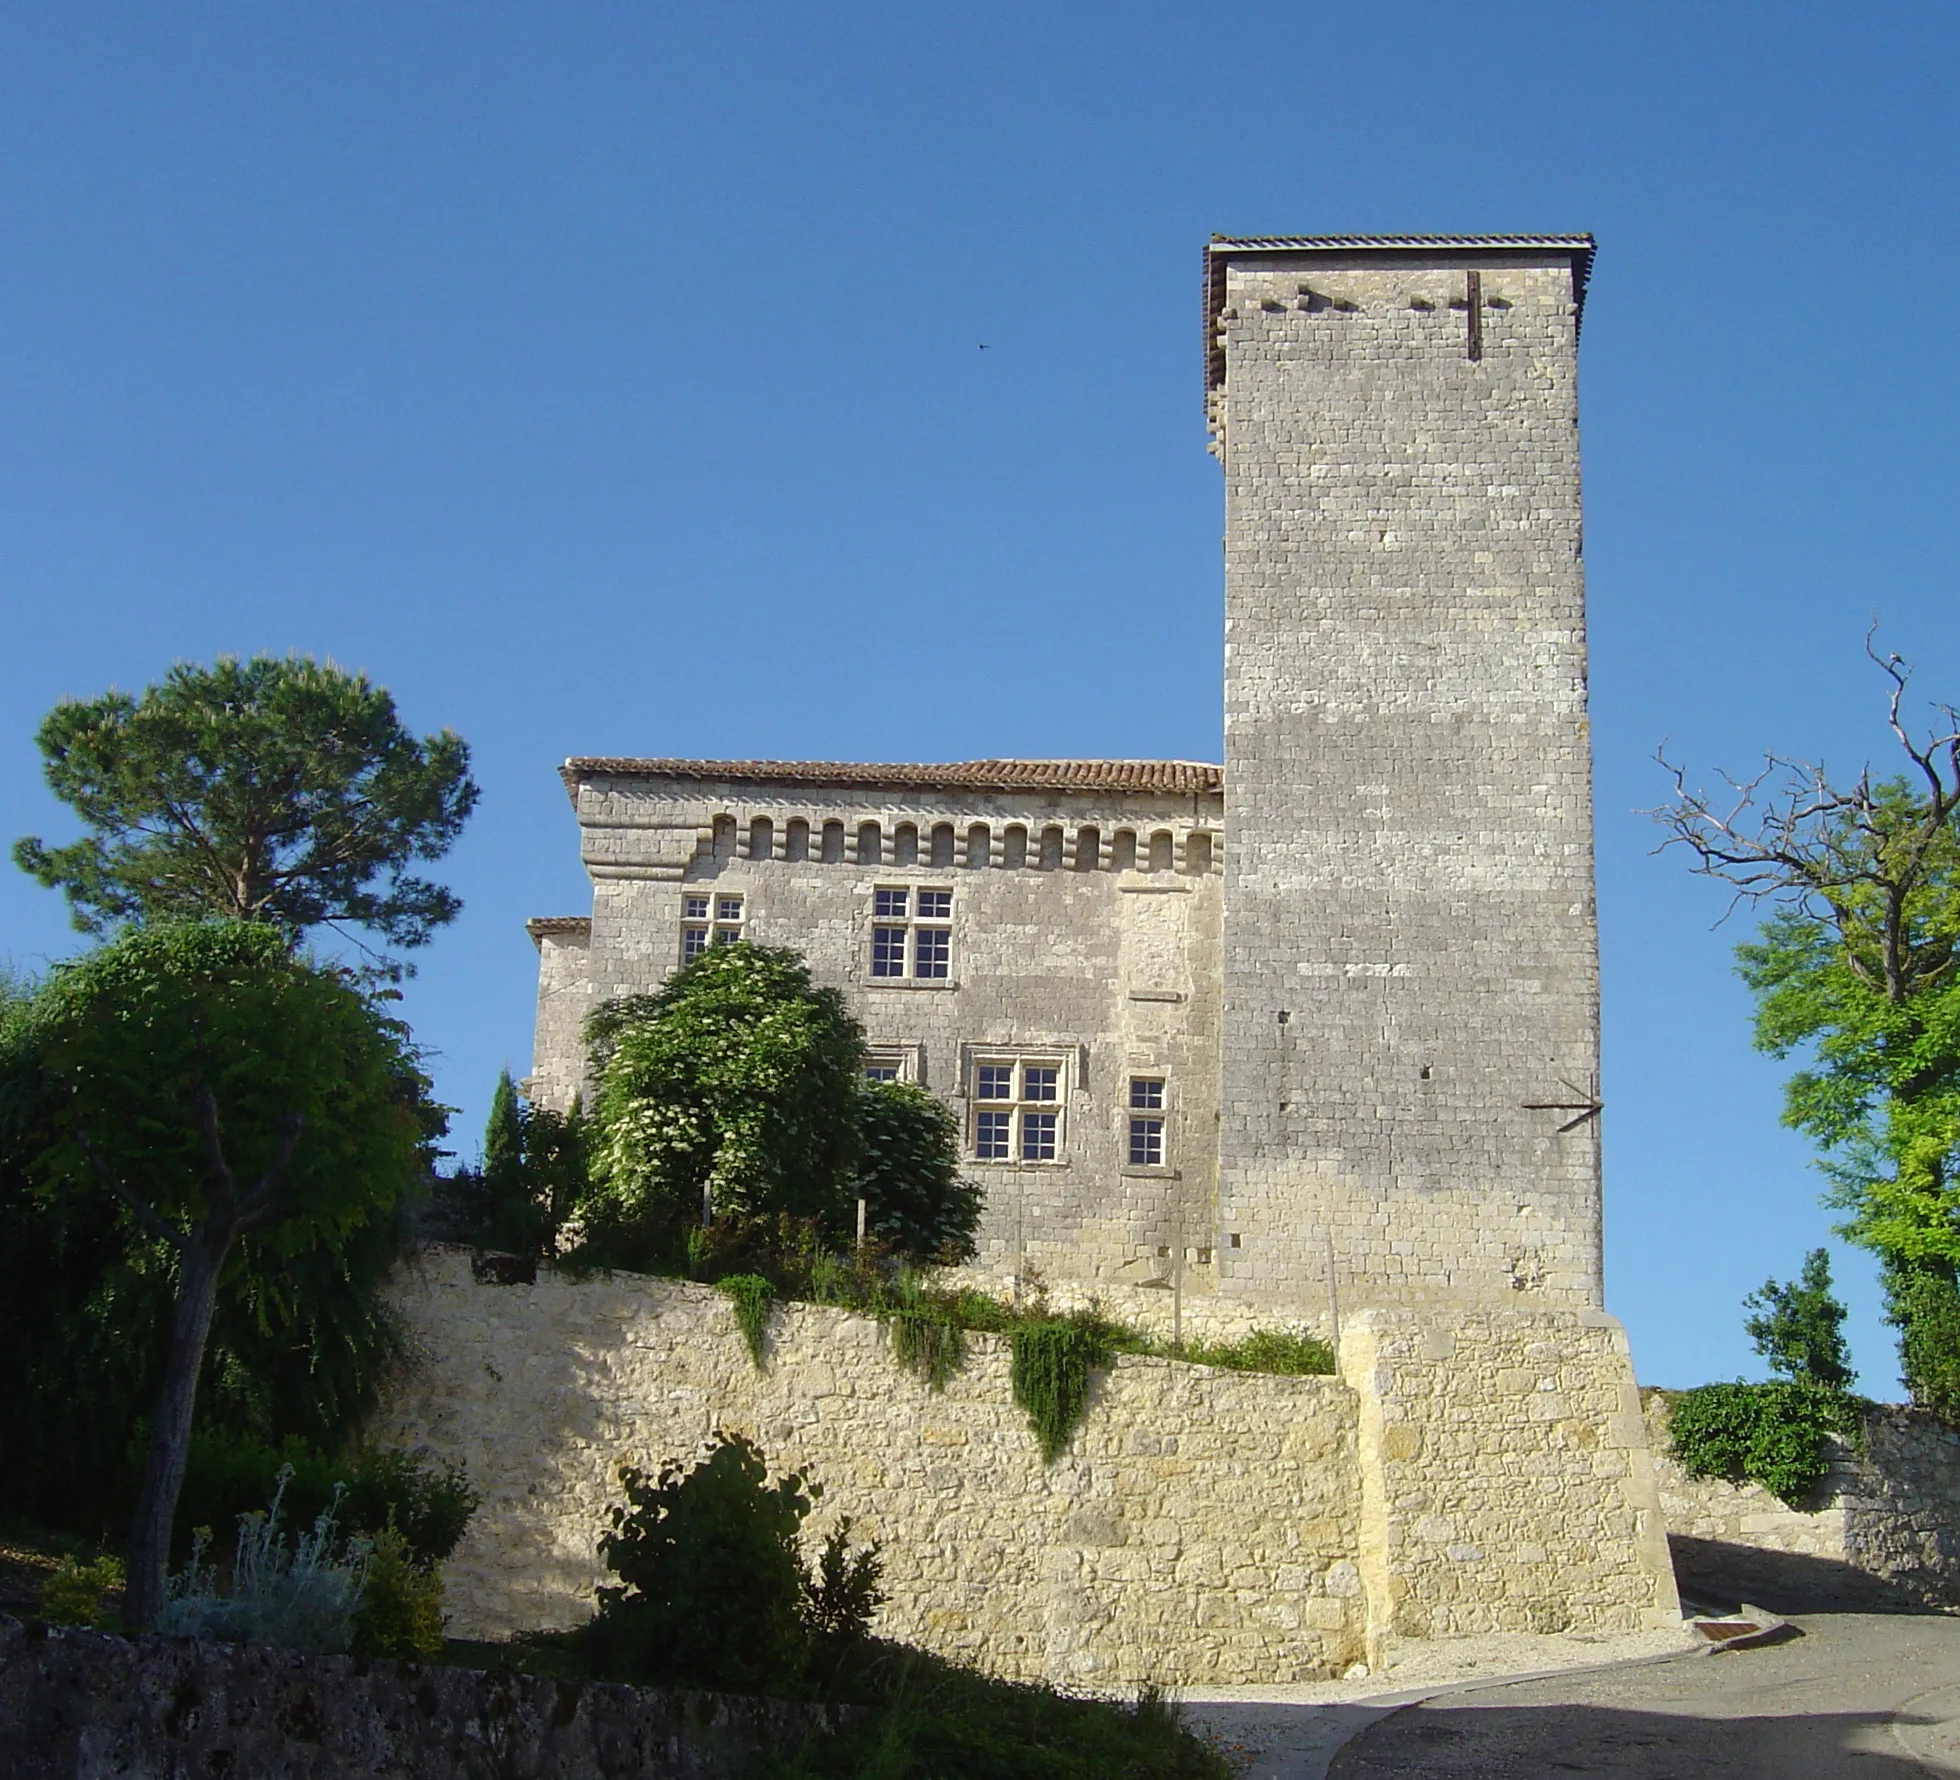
{"x":911,"y":933}
{"x":890,"y":1063}
{"x":1146,"y":1131}
{"x":712,"y":920}
{"x":1017,"y":1109}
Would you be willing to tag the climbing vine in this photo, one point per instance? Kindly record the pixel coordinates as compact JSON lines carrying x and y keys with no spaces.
{"x":1052,"y":1363}
{"x":750,"y":1296}
{"x":929,"y":1347}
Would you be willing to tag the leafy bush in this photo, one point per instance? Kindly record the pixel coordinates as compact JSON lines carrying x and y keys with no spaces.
{"x":1799,"y":1328}
{"x":710,"y":1583}
{"x":401,"y":1603}
{"x":429,"y":1508}
{"x":1050,"y":1372}
{"x":1775,"y":1434}
{"x":302,"y":1595}
{"x":77,"y":1593}
{"x":1267,"y":1350}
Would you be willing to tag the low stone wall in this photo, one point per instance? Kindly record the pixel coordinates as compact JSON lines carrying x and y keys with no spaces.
{"x":1202,"y":1526}
{"x":77,"y":1705}
{"x":1882,"y":1531}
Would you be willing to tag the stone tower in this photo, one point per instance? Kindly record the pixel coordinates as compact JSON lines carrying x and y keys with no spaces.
{"x":1409,"y":1054}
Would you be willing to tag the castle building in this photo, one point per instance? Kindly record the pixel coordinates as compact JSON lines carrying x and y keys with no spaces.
{"x":1313,"y":1032}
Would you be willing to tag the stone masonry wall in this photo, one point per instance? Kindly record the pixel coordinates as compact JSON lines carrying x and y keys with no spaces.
{"x":1884,"y":1526}
{"x":1473,"y":1473}
{"x":1103,"y":961}
{"x":1202,"y":1526}
{"x":1409,"y":961}
{"x":1506,"y":1482}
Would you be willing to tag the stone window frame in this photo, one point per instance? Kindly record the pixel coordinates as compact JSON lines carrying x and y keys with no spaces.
{"x":910,"y":927}
{"x":1019,"y":1107}
{"x":707,"y":920}
{"x":894,"y":1063}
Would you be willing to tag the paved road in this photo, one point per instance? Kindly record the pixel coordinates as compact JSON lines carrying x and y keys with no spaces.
{"x":1869,"y":1696}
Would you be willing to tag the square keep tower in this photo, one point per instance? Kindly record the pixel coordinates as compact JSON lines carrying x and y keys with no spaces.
{"x":1410,"y":1016}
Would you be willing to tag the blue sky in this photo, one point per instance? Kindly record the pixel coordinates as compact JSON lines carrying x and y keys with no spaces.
{"x":604,"y":379}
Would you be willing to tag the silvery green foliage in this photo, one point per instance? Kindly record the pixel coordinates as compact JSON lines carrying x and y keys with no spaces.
{"x":301,"y":1594}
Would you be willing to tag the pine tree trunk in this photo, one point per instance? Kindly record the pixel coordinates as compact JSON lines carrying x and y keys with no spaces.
{"x":200,"y":1262}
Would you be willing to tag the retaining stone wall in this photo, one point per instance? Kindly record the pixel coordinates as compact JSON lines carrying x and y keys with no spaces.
{"x":1201,"y":1527}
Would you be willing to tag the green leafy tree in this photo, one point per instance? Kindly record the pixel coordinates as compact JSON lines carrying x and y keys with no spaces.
{"x":278,"y":790}
{"x":732,"y":1092}
{"x":917,"y":1205}
{"x":211,"y":1087}
{"x":1854,"y":970}
{"x":1799,"y":1328}
{"x":531,"y":1178}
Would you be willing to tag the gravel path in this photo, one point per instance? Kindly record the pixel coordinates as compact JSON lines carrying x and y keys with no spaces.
{"x":1875,"y":1697}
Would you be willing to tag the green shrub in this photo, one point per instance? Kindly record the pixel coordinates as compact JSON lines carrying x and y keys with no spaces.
{"x":1776,"y":1434}
{"x":229,"y":1474}
{"x":710,"y":1583}
{"x":917,"y":1204}
{"x":77,"y":1593}
{"x":1267,"y":1350}
{"x":401,"y":1603}
{"x":1050,"y":1373}
{"x":751,"y":1296}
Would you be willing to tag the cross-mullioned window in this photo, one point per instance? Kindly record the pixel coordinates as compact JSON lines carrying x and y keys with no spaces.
{"x":713,"y":920}
{"x":911,"y":933}
{"x":1146,"y":1147}
{"x":1017,"y":1109}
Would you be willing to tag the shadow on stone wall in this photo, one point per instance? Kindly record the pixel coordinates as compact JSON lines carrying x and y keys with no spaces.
{"x":1716,"y":1573}
{"x":74,"y":1705}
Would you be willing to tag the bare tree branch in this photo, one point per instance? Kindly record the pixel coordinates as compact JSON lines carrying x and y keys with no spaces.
{"x":138,"y":1208}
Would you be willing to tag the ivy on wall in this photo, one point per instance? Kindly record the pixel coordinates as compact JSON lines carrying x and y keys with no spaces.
{"x":1776,"y":1434}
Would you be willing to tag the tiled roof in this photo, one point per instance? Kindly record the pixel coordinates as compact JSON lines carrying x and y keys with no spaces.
{"x":1183,"y":778}
{"x":1222,"y":247}
{"x":540,"y":925}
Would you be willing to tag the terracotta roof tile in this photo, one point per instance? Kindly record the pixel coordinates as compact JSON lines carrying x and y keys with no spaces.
{"x":1182,"y":778}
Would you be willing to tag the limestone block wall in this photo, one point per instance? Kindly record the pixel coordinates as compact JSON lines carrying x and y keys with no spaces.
{"x":1885,"y":1521}
{"x":1202,"y":1527}
{"x":1506,"y":1480}
{"x":1409,"y":962}
{"x":1093,"y":943}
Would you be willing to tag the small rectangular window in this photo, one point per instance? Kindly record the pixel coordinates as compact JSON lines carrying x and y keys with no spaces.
{"x":694,"y":941}
{"x":1038,"y":1136}
{"x":1038,"y":1081}
{"x":935,"y":905}
{"x":875,"y":1071}
{"x":1146,"y":1143}
{"x":728,"y":908}
{"x":694,"y":908}
{"x":1146,"y":1092}
{"x":996,"y":1082}
{"x":890,"y":905}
